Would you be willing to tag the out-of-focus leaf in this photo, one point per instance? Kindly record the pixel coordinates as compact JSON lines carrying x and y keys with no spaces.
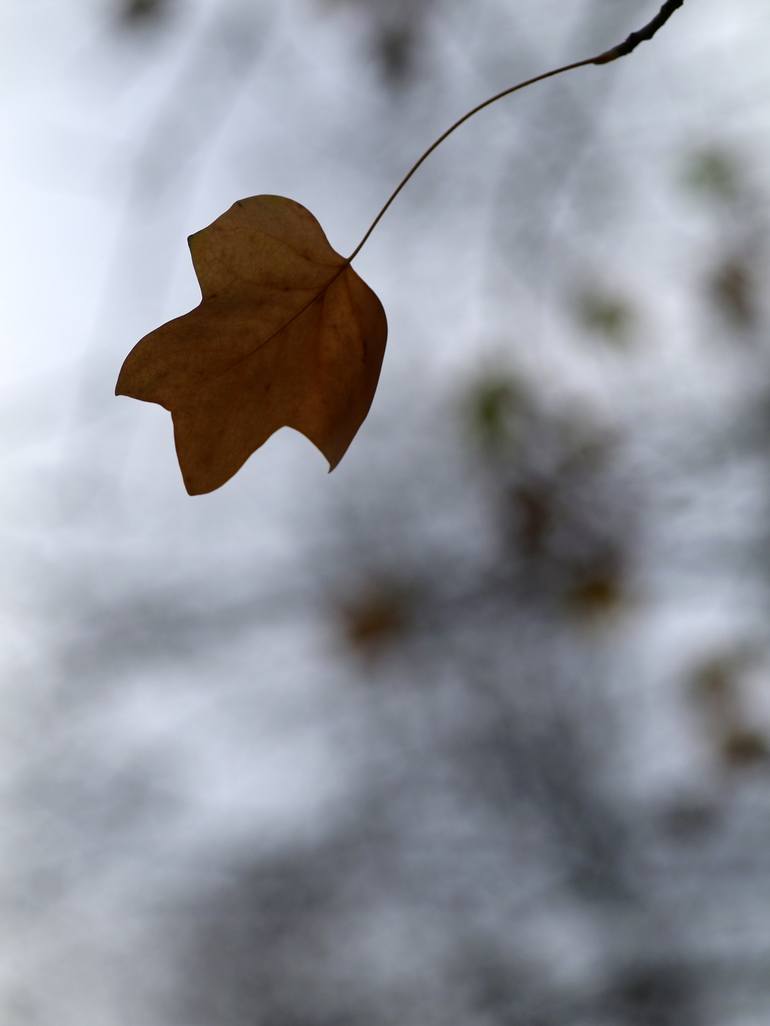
{"x":606,"y":314}
{"x":657,"y":992}
{"x":598,"y":589}
{"x":287,"y":335}
{"x":687,"y":820}
{"x":732,"y":289}
{"x":745,"y":747}
{"x":493,"y":406}
{"x":532,"y":508}
{"x":141,"y":12}
{"x":717,"y":688}
{"x":395,"y":31}
{"x":375,"y":617}
{"x":713,"y":172}
{"x":394,"y":46}
{"x":715,"y":681}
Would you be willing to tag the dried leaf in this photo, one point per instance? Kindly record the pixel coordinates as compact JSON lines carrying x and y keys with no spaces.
{"x":287,"y":335}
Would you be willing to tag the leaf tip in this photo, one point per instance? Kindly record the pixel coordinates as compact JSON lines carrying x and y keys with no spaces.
{"x":192,"y":490}
{"x":333,"y":461}
{"x":196,"y":483}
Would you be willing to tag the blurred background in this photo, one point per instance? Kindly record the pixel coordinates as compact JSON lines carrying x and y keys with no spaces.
{"x":476,"y":730}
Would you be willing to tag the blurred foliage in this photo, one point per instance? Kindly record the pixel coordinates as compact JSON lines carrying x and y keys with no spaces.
{"x":718,"y":688}
{"x":396,"y":30}
{"x":607,"y":315}
{"x":732,"y":283}
{"x":548,"y":468}
{"x":494,"y":406}
{"x":376,"y":617}
{"x":714,"y":173}
{"x":745,"y":748}
{"x":143,"y":13}
{"x":733,"y":292}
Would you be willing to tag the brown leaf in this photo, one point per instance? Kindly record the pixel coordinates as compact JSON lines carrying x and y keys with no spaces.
{"x":287,"y":335}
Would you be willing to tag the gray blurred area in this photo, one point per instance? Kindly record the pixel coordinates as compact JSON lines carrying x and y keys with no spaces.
{"x":475,"y":730}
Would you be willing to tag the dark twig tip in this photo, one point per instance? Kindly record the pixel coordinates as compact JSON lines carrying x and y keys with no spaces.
{"x":643,"y":35}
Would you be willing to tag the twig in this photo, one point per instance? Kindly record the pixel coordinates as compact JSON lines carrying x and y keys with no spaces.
{"x":614,"y":54}
{"x":643,"y":35}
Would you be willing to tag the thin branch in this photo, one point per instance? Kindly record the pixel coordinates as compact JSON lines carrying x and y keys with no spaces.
{"x":452,"y":128}
{"x":621,"y":50}
{"x":643,"y":35}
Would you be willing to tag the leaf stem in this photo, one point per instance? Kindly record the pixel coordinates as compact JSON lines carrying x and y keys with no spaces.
{"x":621,"y":50}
